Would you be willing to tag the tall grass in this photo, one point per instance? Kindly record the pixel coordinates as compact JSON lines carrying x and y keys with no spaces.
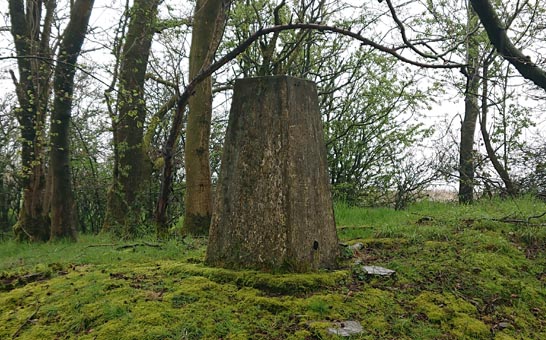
{"x":435,"y":220}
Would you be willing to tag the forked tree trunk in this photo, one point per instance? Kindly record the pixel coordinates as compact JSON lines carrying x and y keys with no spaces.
{"x":273,"y":209}
{"x":31,"y":35}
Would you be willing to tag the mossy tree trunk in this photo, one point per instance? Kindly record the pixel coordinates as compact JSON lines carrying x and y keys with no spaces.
{"x":131,"y":165}
{"x":209,"y":20}
{"x":63,"y":205}
{"x":273,"y":208}
{"x":31,"y":24}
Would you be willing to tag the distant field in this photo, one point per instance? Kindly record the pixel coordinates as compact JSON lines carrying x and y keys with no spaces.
{"x":441,"y":195}
{"x":462,"y":272}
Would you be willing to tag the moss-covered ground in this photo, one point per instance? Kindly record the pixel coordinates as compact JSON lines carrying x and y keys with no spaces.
{"x":462,"y":272}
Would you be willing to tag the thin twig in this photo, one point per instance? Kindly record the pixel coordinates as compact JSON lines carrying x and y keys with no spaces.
{"x":535,"y":216}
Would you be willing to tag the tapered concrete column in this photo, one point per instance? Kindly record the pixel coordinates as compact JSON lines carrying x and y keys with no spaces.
{"x":273,"y":209}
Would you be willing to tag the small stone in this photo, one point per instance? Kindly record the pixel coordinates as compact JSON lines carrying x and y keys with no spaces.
{"x":376,"y":270}
{"x":346,"y":328}
{"x":503,"y":325}
{"x":357,"y":246}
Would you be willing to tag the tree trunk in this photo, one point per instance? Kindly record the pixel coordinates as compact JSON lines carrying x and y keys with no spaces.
{"x":207,"y":31}
{"x":63,"y":206}
{"x":471,"y":112}
{"x":4,"y":204}
{"x":273,"y":208}
{"x":511,"y":188}
{"x":33,"y":91}
{"x":132,"y":168}
{"x":466,"y":153}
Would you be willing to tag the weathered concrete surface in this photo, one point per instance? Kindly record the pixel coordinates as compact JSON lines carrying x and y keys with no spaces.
{"x":273,"y":208}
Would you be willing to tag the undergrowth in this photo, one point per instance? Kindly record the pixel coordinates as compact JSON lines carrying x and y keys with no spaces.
{"x":462,"y":272}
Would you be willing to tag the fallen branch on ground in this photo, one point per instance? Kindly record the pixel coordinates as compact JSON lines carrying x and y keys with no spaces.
{"x":516,"y":221}
{"x":100,"y":245}
{"x":506,"y":219}
{"x":134,"y":245}
{"x":125,"y":246}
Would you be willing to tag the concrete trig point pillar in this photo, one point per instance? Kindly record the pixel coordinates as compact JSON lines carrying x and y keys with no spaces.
{"x":273,"y":209}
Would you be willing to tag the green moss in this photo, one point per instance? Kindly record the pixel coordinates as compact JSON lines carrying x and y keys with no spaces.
{"x":436,"y":245}
{"x":468,"y":327}
{"x":271,"y":283}
{"x":446,"y":301}
{"x":319,"y":306}
{"x":455,"y":315}
{"x":503,"y":336}
{"x":320,"y":328}
{"x":378,"y":325}
{"x":300,"y":334}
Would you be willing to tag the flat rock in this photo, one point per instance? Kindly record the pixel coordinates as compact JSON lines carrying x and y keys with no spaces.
{"x":376,"y":270}
{"x":346,"y":328}
{"x":357,"y":246}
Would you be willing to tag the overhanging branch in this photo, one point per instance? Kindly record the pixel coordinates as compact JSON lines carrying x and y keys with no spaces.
{"x":498,"y":37}
{"x":317,"y":27}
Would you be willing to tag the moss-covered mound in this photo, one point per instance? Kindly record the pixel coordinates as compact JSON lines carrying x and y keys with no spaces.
{"x":455,"y":279}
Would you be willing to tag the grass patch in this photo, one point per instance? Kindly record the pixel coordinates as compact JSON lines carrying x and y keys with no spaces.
{"x":460,"y":274}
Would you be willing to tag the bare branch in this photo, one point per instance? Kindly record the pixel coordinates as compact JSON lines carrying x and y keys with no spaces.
{"x":402,"y":29}
{"x":319,"y":27}
{"x":161,"y":80}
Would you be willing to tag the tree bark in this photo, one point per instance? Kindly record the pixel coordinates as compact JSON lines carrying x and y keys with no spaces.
{"x":132,"y":167}
{"x":496,"y":32}
{"x":207,"y":30}
{"x":471,"y":112}
{"x":273,"y":209}
{"x":63,"y":206}
{"x":33,"y":91}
